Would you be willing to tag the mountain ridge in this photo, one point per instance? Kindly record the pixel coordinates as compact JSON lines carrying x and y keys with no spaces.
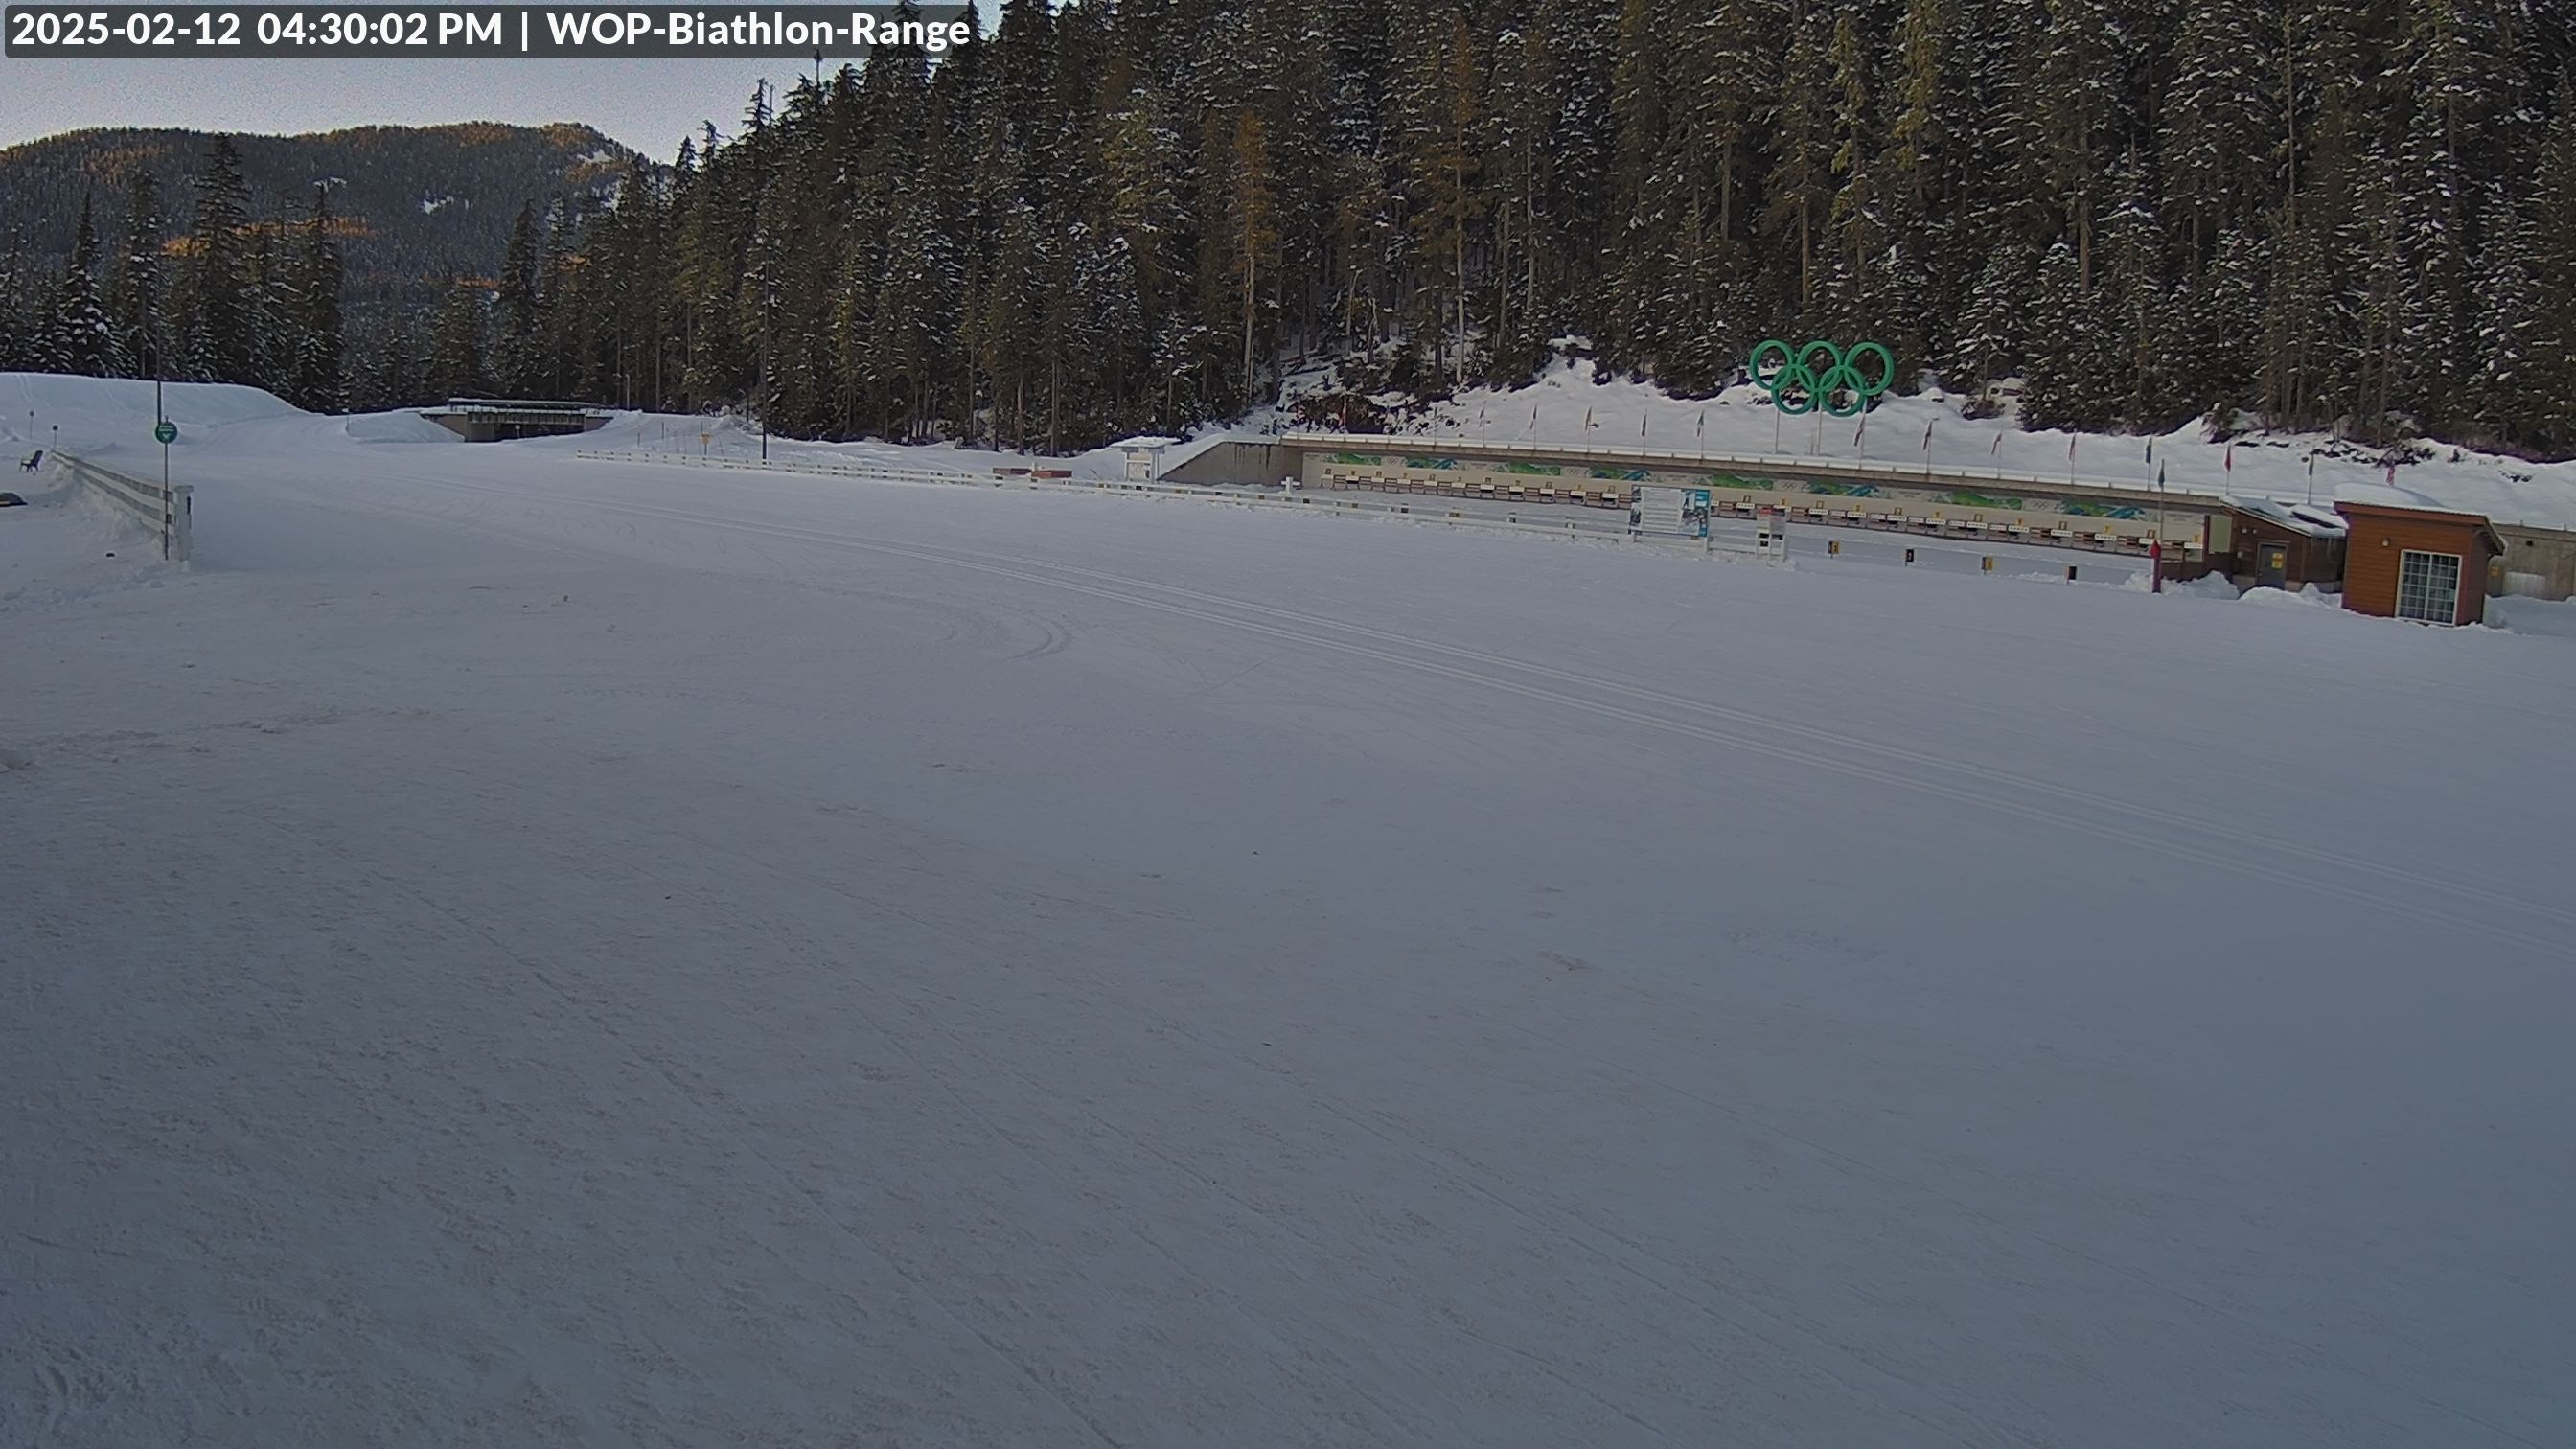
{"x":415,"y":204}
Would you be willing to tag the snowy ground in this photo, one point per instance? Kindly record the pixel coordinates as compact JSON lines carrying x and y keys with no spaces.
{"x":514,"y":949}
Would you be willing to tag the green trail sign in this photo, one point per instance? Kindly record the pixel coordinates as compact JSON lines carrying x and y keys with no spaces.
{"x":165,"y":432}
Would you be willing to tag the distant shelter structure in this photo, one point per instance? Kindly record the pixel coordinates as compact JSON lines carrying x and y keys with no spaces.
{"x":491,"y":420}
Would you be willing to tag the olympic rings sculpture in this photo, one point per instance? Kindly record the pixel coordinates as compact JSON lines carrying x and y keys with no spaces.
{"x":1820,"y":374}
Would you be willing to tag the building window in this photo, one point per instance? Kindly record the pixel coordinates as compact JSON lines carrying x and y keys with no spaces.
{"x":2428,"y":587}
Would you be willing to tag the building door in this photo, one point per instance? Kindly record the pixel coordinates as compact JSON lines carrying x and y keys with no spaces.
{"x":2428,"y":587}
{"x":2271,"y":566}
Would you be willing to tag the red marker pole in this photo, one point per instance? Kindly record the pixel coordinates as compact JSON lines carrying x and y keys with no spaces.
{"x":2156,"y":561}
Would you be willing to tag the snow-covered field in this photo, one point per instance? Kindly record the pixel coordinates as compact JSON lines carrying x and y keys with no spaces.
{"x":511,"y":948}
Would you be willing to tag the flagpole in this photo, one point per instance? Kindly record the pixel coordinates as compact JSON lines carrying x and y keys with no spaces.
{"x":2156,"y":555}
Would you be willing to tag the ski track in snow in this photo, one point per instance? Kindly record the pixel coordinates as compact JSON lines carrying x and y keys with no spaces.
{"x":512,"y":949}
{"x":2425,"y":889}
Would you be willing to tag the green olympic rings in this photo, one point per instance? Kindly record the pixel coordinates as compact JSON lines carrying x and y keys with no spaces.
{"x":1820,"y":374}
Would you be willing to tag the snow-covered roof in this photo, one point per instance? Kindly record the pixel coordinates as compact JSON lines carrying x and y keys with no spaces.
{"x":1175,"y":453}
{"x":2313,"y":522}
{"x":2383,"y":495}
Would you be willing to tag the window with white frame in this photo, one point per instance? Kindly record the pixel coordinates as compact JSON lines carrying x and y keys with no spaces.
{"x":2428,"y":587}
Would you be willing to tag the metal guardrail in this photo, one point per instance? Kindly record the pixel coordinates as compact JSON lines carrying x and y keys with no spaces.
{"x":1297,"y":501}
{"x":169,"y":512}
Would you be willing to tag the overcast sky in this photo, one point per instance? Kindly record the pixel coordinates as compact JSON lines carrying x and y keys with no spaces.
{"x":648,"y":104}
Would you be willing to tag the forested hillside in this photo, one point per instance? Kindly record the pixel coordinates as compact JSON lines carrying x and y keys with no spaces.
{"x":1109,"y":219}
{"x":416,"y":203}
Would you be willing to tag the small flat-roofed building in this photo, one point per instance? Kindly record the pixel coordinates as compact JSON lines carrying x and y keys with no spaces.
{"x":2287,"y":546}
{"x":2406,"y":558}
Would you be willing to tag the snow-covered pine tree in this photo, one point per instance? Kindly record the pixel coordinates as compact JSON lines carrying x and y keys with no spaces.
{"x":19,"y":316}
{"x":277,"y":306}
{"x":1858,"y":302}
{"x":83,"y":343}
{"x":2443,"y":110}
{"x":218,"y":339}
{"x":1439,"y":106}
{"x":2551,"y":376}
{"x":458,"y":352}
{"x":2506,"y":404}
{"x":2133,"y":316}
{"x":1914,"y":167}
{"x":1648,"y":195}
{"x":131,"y":289}
{"x":2220,"y":110}
{"x":319,"y":381}
{"x":1252,"y":236}
{"x":1799,"y":196}
{"x":515,"y":362}
{"x":2213,"y":352}
{"x":2064,"y":386}
{"x":2071,"y":110}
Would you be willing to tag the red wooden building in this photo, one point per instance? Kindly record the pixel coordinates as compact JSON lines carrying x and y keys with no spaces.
{"x":2406,"y":559}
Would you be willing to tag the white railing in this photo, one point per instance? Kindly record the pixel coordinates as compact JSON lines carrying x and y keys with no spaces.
{"x":166,"y":511}
{"x":1298,"y":500}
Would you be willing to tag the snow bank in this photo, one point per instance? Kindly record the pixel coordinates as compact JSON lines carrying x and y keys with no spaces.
{"x":2550,"y":618}
{"x":91,"y":412}
{"x":2307,"y":597}
{"x":66,"y":544}
{"x":395,"y":427}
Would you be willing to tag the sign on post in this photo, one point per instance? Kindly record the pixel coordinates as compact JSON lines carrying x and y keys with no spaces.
{"x":165,"y":432}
